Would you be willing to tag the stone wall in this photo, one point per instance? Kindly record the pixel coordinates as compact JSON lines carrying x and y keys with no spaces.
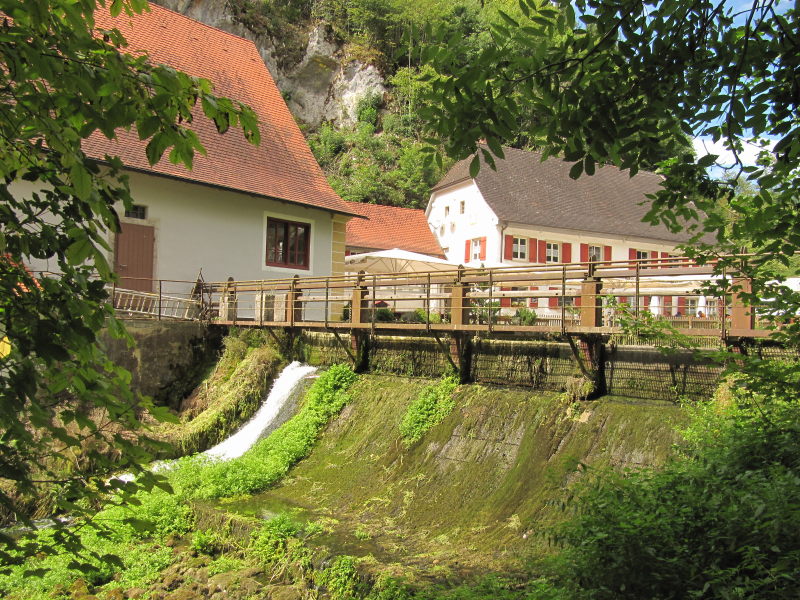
{"x":169,"y":358}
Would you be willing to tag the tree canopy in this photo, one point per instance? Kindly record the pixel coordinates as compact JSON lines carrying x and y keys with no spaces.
{"x":62,"y":79}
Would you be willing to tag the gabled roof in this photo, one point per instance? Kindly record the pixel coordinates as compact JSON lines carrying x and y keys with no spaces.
{"x":388,"y":227}
{"x":526,"y":191}
{"x":281,"y":167}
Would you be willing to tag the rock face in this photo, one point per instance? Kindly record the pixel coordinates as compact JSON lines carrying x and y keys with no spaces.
{"x":323,"y":86}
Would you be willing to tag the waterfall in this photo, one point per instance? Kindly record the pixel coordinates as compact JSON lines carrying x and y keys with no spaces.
{"x":282,"y":390}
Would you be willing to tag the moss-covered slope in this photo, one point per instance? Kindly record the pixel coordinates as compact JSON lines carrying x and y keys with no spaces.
{"x":476,"y":491}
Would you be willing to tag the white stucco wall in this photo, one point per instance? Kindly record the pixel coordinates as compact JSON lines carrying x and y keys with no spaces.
{"x":479,"y":220}
{"x":220,"y":231}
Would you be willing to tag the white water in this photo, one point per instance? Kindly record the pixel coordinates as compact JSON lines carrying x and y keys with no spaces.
{"x":240,"y":442}
{"x":282,"y":389}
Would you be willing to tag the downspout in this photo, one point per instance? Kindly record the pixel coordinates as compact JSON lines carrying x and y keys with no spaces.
{"x":503,"y":226}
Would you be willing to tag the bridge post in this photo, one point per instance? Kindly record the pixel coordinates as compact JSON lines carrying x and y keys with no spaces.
{"x":742,"y":315}
{"x":591,"y":308}
{"x":358,"y":301}
{"x":459,"y":302}
{"x":294,"y":306}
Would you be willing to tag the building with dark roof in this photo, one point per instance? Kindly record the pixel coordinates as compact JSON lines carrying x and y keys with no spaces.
{"x":388,"y":227}
{"x":530,"y":211}
{"x":242,"y":211}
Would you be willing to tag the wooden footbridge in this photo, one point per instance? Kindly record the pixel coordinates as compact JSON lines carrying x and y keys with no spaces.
{"x":542,"y":300}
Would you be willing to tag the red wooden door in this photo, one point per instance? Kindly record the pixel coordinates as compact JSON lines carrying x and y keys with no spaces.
{"x":133,"y":256}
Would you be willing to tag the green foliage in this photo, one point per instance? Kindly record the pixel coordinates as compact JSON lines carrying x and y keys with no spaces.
{"x":525,"y":316}
{"x":271,"y":458}
{"x":224,"y":564}
{"x":420,"y":315}
{"x":205,"y":542}
{"x":429,"y":409}
{"x":718,"y":522}
{"x":384,"y":315}
{"x":341,"y":579}
{"x":367,"y":109}
{"x":61,"y":82}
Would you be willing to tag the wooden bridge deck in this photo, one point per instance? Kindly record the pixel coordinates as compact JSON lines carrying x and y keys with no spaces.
{"x":535,"y":301}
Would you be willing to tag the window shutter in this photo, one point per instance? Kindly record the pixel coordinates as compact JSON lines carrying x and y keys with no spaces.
{"x":542,"y":251}
{"x":483,"y":248}
{"x":632,"y":256}
{"x":504,"y":300}
{"x":584,"y":253}
{"x":577,"y":300}
{"x":645,"y":301}
{"x":682,"y":305}
{"x":467,"y":247}
{"x":663,"y":262}
{"x":607,"y":253}
{"x":552,"y":301}
{"x":508,"y":248}
{"x":533,"y":247}
{"x":653,"y":263}
{"x":566,"y":252}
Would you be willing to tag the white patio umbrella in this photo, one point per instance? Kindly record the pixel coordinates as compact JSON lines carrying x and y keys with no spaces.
{"x":396,"y":261}
{"x":701,"y":306}
{"x":655,"y":305}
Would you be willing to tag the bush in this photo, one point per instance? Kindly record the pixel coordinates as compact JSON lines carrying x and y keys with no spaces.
{"x":384,"y":315}
{"x":430,"y":408}
{"x":525,"y":316}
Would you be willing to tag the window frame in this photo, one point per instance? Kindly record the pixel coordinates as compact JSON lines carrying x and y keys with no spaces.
{"x":287,"y":222}
{"x":475,"y":249}
{"x":599,"y":253}
{"x":518,"y":243}
{"x":547,"y":254}
{"x":137,"y":212}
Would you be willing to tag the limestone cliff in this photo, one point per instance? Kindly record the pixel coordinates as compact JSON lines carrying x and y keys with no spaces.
{"x":320,"y":84}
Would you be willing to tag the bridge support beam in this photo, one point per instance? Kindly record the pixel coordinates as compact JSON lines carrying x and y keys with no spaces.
{"x":360,"y":342}
{"x":589,"y":356}
{"x":461,"y":356}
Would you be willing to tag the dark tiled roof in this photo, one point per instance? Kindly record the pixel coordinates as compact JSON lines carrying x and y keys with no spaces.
{"x":388,"y":227}
{"x":281,"y":167}
{"x":527,"y":191}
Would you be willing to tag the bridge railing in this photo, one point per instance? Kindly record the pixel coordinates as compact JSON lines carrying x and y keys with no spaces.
{"x":578,"y":297}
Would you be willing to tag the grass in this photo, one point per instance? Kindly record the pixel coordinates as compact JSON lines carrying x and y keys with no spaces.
{"x":428,"y":409}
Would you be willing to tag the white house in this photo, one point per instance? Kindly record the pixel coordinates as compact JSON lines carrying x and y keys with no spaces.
{"x":530,"y":211}
{"x":243,"y":211}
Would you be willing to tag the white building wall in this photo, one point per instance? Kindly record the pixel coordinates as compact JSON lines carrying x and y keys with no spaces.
{"x":453,"y":229}
{"x":223,"y":232}
{"x":479,"y":220}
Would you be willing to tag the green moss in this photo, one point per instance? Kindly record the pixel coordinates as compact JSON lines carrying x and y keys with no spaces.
{"x":479,"y":489}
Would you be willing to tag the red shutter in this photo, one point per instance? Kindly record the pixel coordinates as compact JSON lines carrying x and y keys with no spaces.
{"x":584,"y":253}
{"x":645,"y":301}
{"x":533,"y":302}
{"x":552,"y":301}
{"x":508,"y":247}
{"x":533,"y":246}
{"x":566,"y":252}
{"x":632,"y":256}
{"x":466,"y":251}
{"x":504,"y":301}
{"x":542,"y":251}
{"x":607,"y":253}
{"x":483,"y":248}
{"x":667,"y":306}
{"x":682,"y":305}
{"x":577,"y":300}
{"x":663,"y":262}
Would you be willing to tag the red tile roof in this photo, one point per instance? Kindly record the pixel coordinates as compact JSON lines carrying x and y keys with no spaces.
{"x":388,"y":227}
{"x":281,"y":167}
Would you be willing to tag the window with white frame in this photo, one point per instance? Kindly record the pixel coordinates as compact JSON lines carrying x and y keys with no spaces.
{"x":476,"y":249}
{"x":642,"y":255}
{"x":461,"y":207}
{"x":519,"y":249}
{"x":595,"y":253}
{"x":552,"y":252}
{"x":691,"y":307}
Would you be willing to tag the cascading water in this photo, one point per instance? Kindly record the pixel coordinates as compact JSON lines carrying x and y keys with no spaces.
{"x":281,"y":392}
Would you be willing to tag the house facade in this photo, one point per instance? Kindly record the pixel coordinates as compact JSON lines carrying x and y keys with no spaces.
{"x":243,"y":211}
{"x":530,"y":212}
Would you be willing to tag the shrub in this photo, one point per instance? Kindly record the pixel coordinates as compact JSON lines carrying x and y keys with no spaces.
{"x":430,"y":408}
{"x":525,"y":316}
